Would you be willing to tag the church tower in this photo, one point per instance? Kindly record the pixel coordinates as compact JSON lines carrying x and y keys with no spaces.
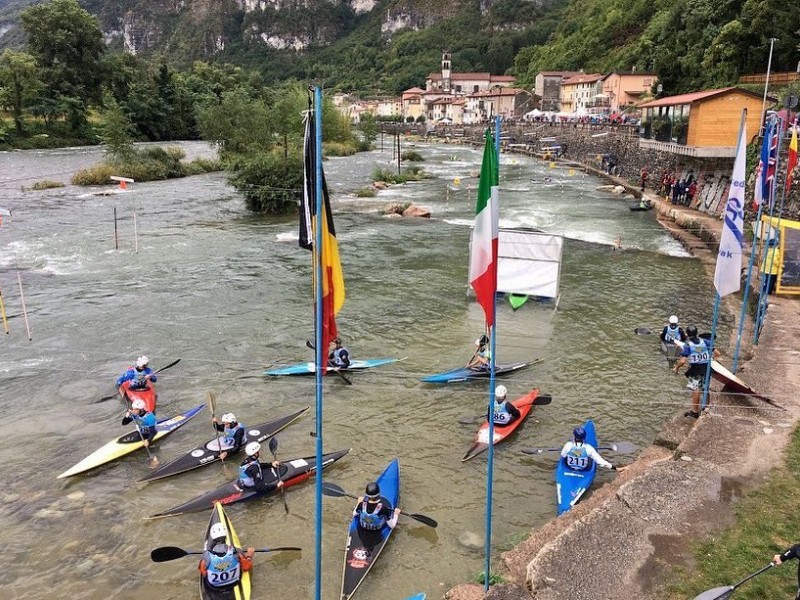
{"x":446,"y":86}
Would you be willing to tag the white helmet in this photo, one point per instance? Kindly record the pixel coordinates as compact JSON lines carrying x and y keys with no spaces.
{"x":142,"y":361}
{"x":500,"y":391}
{"x":673,"y":320}
{"x":228,"y":418}
{"x":218,"y":531}
{"x":252,"y":448}
{"x":138,"y":404}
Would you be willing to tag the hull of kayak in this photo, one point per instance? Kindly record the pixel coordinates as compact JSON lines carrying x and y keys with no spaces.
{"x":292,"y":472}
{"x":148,"y":395}
{"x":209,"y":452}
{"x":308,"y":368}
{"x":636,"y":207}
{"x":571,"y":484}
{"x":128,"y":443}
{"x":241,"y":589}
{"x":524,"y":405}
{"x":465,"y":374}
{"x":364,"y":547}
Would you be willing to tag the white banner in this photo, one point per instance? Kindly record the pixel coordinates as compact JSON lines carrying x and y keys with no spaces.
{"x":727,"y":276}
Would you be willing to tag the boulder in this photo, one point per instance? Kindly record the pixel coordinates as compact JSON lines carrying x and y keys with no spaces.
{"x":394,"y":209}
{"x":618,"y":189}
{"x":417,"y":211}
{"x":380,"y":185}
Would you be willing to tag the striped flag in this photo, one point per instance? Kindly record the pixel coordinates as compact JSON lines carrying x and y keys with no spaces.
{"x":483,"y":255}
{"x":761,"y":191}
{"x":727,"y":275}
{"x":791,"y":161}
{"x":332,"y":277}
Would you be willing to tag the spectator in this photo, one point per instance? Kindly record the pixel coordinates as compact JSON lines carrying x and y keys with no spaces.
{"x":691,"y":192}
{"x":644,"y":177}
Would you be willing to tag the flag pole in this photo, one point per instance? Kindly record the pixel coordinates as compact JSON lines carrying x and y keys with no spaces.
{"x":320,"y":351}
{"x":492,"y":364}
{"x":707,"y":378}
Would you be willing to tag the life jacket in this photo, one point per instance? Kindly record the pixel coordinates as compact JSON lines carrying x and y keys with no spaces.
{"x":337,"y":357}
{"x":501,"y":415}
{"x":223,"y":570}
{"x":229,"y":435}
{"x":146,"y":422}
{"x":672,"y":333}
{"x":578,"y":458}
{"x":244,"y":479}
{"x":698,"y":352}
{"x":139,"y":378}
{"x":772,"y":261}
{"x":372,"y":521}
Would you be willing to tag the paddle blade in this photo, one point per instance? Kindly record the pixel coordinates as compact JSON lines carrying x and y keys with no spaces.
{"x":642,"y":331}
{"x":273,"y":445}
{"x":422,"y":519}
{"x":212,"y":402}
{"x":718,"y":593}
{"x":105,"y":398}
{"x":172,"y":364}
{"x":543,"y":400}
{"x":331,"y":489}
{"x":166,"y":553}
{"x":470,"y":420}
{"x":623,"y":447}
{"x":539,"y":450}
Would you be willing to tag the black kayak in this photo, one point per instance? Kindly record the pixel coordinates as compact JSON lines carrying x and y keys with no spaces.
{"x":638,"y":207}
{"x":291,"y":472}
{"x":209,"y":452}
{"x":467,"y":374}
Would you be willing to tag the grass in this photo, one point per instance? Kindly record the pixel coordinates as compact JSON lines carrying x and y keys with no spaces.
{"x":411,"y":156}
{"x":494,"y":578}
{"x":46,"y":184}
{"x":150,"y":164}
{"x":766,"y":524}
{"x":366,"y":192}
{"x":414,"y":173}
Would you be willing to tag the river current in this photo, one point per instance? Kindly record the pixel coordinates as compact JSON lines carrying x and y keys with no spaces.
{"x":229,"y":293}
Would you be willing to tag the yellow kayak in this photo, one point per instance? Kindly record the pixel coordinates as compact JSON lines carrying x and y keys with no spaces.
{"x":241,"y":589}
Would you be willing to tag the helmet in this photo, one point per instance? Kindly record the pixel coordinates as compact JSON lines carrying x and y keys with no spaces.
{"x":252,"y":448}
{"x":673,"y":320}
{"x":373,"y":491}
{"x":579,"y":433}
{"x":142,"y":361}
{"x":218,"y":531}
{"x":337,"y":340}
{"x":691,"y":331}
{"x":138,"y":404}
{"x":773,"y":242}
{"x":500,"y":392}
{"x":229,"y":418}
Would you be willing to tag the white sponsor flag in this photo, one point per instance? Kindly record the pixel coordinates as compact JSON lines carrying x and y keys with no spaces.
{"x":727,"y":276}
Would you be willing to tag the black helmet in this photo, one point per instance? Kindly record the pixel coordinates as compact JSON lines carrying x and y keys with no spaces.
{"x":691,"y":331}
{"x":579,"y":433}
{"x":373,"y":492}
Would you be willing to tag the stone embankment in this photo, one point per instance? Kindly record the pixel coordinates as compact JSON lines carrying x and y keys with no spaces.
{"x":623,"y":541}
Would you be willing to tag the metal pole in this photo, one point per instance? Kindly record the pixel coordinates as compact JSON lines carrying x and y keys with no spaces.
{"x":766,"y":81}
{"x":116,"y":238}
{"x":707,"y":378}
{"x":320,"y":351}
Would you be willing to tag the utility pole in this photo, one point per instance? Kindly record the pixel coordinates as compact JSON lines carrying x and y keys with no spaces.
{"x":766,"y":81}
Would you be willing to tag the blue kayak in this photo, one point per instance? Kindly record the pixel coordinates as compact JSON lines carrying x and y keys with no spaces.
{"x":420,"y":596}
{"x":364,"y":547}
{"x":571,"y":484}
{"x":308,"y":368}
{"x":466,"y":374}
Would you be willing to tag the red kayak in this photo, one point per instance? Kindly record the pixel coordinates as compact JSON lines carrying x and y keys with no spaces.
{"x":148,"y":395}
{"x":523,"y":404}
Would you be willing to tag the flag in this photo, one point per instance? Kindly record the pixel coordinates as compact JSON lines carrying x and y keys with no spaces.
{"x":727,"y":275}
{"x":483,"y":254}
{"x":791,"y":161}
{"x":332,"y":277}
{"x":761,"y":190}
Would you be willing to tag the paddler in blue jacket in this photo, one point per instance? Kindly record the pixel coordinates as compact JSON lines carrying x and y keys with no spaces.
{"x":234,"y":434}
{"x":578,"y":455}
{"x":138,"y":375}
{"x":222,"y":564}
{"x":672,"y":331}
{"x":145,"y":421}
{"x":339,"y":357}
{"x":373,"y":512}
{"x":482,"y":356}
{"x":255,"y":475}
{"x":697,"y":352}
{"x":503,"y":411}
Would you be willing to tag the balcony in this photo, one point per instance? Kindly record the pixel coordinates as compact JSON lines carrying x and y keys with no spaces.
{"x":683,"y":150}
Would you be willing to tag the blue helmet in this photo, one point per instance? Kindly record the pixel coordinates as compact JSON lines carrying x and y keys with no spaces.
{"x":579,"y":433}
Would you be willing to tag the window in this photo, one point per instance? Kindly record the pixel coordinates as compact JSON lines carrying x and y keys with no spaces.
{"x":475,"y":89}
{"x":458,"y":89}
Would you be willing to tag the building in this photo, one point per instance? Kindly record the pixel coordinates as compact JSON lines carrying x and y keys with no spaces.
{"x":621,"y":90}
{"x":579,"y":92}
{"x":703,"y":124}
{"x":462,"y":84}
{"x":412,"y":104}
{"x":389,"y":107}
{"x":548,"y":87}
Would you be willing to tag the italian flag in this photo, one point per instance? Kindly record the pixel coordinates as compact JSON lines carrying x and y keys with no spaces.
{"x":483,"y":255}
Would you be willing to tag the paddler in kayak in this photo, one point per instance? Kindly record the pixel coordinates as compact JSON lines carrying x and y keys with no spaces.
{"x":373,"y":511}
{"x":483,"y":354}
{"x":233,"y":434}
{"x":145,"y":421}
{"x":222,"y":564}
{"x":697,"y":352}
{"x":255,"y":475}
{"x":138,"y":375}
{"x":339,"y":356}
{"x":503,"y":411}
{"x":672,"y":331}
{"x":793,"y":552}
{"x":578,"y":455}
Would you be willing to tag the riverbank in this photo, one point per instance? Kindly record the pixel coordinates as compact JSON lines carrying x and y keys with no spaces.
{"x":629,"y":536}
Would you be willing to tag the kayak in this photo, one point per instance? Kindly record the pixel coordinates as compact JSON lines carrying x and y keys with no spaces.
{"x":241,"y":589}
{"x":292,"y":472}
{"x":209,"y":452}
{"x":516,"y":300}
{"x":481,"y":443}
{"x":129,"y":442}
{"x":148,"y":395}
{"x":364,"y":547}
{"x":467,"y":374}
{"x":635,"y":207}
{"x":308,"y":368}
{"x":420,"y":596}
{"x":571,"y":484}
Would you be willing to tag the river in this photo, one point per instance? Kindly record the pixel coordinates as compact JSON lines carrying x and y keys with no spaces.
{"x":229,"y":293}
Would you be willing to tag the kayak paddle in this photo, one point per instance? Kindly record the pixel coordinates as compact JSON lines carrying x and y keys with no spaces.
{"x":153,"y":460}
{"x":335,"y":370}
{"x":331,"y":489}
{"x":273,"y":445}
{"x":542,"y":400}
{"x":166,"y":553}
{"x":105,"y":398}
{"x":623,"y":447}
{"x":212,"y":405}
{"x":724,"y":592}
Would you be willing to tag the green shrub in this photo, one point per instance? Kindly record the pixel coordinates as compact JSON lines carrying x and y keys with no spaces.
{"x":203,"y":165}
{"x":46,"y":184}
{"x":94,"y":175}
{"x":366,"y":192}
{"x":411,"y":156}
{"x":269,"y":183}
{"x":338,"y":149}
{"x":494,"y":578}
{"x":388,"y":176}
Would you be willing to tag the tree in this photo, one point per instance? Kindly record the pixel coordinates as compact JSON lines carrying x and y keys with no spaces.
{"x":116,"y":131}
{"x":238,"y":125}
{"x":19,"y":83}
{"x":68,"y":45}
{"x":369,"y":128}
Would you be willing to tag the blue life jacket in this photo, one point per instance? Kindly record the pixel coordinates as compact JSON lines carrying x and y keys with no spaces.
{"x":672,"y":333}
{"x":501,"y":414}
{"x":244,"y":479}
{"x":699,"y":353}
{"x":578,"y":458}
{"x":223,"y":570}
{"x":145,"y":423}
{"x":337,"y":357}
{"x":229,"y":435}
{"x":372,"y":521}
